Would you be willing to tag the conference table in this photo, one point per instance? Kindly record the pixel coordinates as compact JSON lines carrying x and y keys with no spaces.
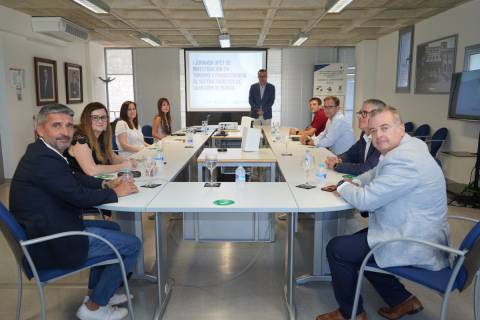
{"x":285,"y":197}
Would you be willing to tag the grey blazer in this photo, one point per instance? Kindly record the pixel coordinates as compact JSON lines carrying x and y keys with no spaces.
{"x":406,"y":197}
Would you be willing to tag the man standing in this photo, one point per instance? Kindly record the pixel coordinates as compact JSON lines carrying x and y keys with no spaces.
{"x":47,"y":197}
{"x":338,"y":134}
{"x":261,"y":98}
{"x":362,"y":156}
{"x":319,"y":120}
{"x":406,"y":197}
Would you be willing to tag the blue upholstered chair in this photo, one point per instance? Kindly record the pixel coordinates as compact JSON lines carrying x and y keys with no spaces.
{"x":409,"y":126}
{"x":436,"y":141}
{"x":147,"y":134}
{"x":18,"y":243}
{"x":113,"y":124}
{"x":422,"y":132}
{"x":463,"y":271}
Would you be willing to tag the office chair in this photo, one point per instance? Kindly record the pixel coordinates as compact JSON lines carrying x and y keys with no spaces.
{"x":113,"y":124}
{"x":18,"y":243}
{"x":465,"y":268}
{"x":147,"y":134}
{"x":436,"y":141}
{"x":422,"y":132}
{"x":409,"y":126}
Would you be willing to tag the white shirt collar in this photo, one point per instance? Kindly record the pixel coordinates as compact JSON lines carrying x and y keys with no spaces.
{"x":368,"y":139}
{"x":55,"y":150}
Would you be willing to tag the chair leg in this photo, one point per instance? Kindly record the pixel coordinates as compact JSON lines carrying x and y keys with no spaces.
{"x":444,"y":305}
{"x":358,"y":290}
{"x":475,"y":296}
{"x":43,"y":307}
{"x":127,"y":292}
{"x":20,"y":292}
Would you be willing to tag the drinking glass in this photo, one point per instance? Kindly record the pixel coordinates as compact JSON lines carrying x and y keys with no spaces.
{"x":308,"y":163}
{"x":211,"y":163}
{"x":286,"y":139}
{"x":150,"y":169}
{"x":204,"y":126}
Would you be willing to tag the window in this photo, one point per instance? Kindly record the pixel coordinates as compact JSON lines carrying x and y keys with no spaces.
{"x":119,"y":65}
{"x":404,"y":59}
{"x":472,"y":58}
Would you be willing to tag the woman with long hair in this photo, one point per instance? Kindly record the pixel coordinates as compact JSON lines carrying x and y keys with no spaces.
{"x":162,"y":122}
{"x":91,"y":150}
{"x":129,"y":137}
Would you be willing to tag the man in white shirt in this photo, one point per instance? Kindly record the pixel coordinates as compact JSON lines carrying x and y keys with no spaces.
{"x":338,"y":134}
{"x":405,"y":195}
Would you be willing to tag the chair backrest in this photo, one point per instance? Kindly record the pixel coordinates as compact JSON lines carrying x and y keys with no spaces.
{"x":113,"y":124}
{"x":13,"y":233}
{"x":471,"y":242}
{"x":147,"y":133}
{"x":409,"y":127}
{"x":422,"y":132}
{"x":437,"y":139}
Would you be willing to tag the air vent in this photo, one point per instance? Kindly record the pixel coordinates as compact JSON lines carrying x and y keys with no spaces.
{"x":59,"y":28}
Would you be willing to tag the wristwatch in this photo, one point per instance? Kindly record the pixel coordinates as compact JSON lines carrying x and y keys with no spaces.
{"x":340,"y":183}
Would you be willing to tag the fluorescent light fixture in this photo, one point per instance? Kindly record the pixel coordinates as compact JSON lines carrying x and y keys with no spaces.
{"x":224,"y":39}
{"x":148,"y":38}
{"x":300,"y":39}
{"x":214,"y":8}
{"x":97,"y":6}
{"x":339,"y":6}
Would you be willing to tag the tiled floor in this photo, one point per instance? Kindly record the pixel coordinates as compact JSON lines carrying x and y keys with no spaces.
{"x":222,"y":281}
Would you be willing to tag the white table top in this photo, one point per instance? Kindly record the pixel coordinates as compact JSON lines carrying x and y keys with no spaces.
{"x":237,"y":155}
{"x":311,"y":200}
{"x":248,"y":197}
{"x":137,"y":202}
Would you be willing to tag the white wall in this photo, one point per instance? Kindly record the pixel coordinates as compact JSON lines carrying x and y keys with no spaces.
{"x":157,"y":75}
{"x":432,"y":109}
{"x":18,"y":46}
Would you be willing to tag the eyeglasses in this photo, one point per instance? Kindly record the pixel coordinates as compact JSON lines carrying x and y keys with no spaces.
{"x":329,"y":107}
{"x":363,"y":114}
{"x":99,"y":118}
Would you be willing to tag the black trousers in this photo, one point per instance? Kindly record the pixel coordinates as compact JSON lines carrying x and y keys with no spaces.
{"x":345,"y":255}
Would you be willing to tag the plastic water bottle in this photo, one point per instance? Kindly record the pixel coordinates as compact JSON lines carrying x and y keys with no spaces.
{"x":240,"y":174}
{"x":159,"y":159}
{"x":321,"y":174}
{"x":127,"y":175}
{"x":189,"y":141}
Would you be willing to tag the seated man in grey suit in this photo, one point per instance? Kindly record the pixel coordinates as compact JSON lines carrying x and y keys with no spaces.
{"x":362,"y":156}
{"x":406,"y":197}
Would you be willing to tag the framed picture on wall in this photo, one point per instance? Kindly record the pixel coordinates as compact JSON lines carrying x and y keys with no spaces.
{"x":435,"y":65}
{"x":73,"y":83}
{"x":404,"y":59}
{"x":45,"y":81}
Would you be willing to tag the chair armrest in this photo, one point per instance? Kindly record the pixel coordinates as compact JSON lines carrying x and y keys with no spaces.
{"x":27,"y":243}
{"x":427,"y":243}
{"x":463,"y":219}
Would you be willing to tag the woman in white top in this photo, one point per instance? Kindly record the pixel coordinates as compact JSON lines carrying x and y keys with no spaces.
{"x":129,"y":136}
{"x":162,"y":122}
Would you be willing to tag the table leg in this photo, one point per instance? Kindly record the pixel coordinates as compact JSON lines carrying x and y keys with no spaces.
{"x":272,"y":172}
{"x":327,"y":226}
{"x":163,"y":288}
{"x":289,"y":288}
{"x":200,"y":172}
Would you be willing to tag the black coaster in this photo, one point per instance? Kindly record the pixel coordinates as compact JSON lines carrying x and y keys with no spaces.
{"x":305,"y":186}
{"x":212,"y":185}
{"x":286,"y":154}
{"x":189,"y":147}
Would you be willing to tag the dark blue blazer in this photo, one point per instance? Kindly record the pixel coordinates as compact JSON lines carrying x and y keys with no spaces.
{"x":47,"y":197}
{"x":353,"y":159}
{"x":265,"y":104}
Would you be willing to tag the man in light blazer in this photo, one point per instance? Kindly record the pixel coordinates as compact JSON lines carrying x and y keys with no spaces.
{"x":406,"y":197}
{"x":261,"y":98}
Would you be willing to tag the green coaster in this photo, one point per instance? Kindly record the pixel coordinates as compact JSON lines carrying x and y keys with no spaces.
{"x":348,"y":176}
{"x":223,"y":202}
{"x":106,"y":176}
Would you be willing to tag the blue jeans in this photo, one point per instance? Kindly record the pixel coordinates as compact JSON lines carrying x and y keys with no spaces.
{"x":345,"y":255}
{"x":105,"y":280}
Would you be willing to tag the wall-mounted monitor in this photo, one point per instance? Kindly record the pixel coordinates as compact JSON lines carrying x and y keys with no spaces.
{"x":464,"y":102}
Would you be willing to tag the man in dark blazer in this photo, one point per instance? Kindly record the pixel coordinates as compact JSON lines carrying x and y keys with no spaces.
{"x":362,"y":156}
{"x":47,"y":197}
{"x":261,"y":98}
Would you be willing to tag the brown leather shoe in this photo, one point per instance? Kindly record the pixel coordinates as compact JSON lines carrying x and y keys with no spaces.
{"x":337,"y":315}
{"x":410,"y":306}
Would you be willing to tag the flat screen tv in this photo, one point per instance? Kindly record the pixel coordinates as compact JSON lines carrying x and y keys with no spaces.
{"x":464,"y":102}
